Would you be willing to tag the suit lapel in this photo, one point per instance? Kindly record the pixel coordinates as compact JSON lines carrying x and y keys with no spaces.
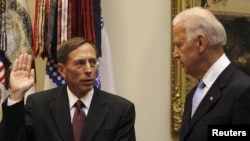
{"x":214,"y":93}
{"x":186,"y":120}
{"x":211,"y":98}
{"x":61,"y":114}
{"x":207,"y":103}
{"x":202,"y":109}
{"x":96,"y":116}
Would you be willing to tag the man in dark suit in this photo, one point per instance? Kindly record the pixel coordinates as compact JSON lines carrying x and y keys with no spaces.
{"x":225,"y":99}
{"x":48,"y":115}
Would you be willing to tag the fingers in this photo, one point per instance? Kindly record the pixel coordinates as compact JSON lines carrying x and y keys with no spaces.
{"x":32,"y":75}
{"x":26,"y":64}
{"x":23,"y":63}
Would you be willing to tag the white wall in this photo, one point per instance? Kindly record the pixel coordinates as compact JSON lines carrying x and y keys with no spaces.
{"x":139,"y":32}
{"x":140,"y":37}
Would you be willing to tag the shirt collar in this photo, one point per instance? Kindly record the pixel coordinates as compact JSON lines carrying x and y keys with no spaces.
{"x":85,"y":99}
{"x":215,"y":70}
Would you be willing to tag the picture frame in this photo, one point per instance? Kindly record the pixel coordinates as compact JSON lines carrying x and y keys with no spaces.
{"x":181,"y":83}
{"x":235,"y":17}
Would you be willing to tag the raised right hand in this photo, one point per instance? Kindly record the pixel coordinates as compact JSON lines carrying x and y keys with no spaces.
{"x":22,"y":77}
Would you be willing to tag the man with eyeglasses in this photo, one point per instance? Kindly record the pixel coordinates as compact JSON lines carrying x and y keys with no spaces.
{"x":49,"y":115}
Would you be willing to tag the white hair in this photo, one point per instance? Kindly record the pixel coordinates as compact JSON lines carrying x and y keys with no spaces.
{"x":198,"y":20}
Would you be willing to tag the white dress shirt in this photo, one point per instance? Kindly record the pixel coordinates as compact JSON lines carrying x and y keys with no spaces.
{"x":214,"y":71}
{"x":86,"y":100}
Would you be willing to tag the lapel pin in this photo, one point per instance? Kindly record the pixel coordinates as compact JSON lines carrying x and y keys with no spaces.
{"x":211,"y":98}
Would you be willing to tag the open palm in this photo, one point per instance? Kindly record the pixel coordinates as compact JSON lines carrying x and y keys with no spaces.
{"x":21,"y":77}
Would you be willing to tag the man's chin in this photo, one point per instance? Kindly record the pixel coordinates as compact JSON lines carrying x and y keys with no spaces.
{"x":186,"y":71}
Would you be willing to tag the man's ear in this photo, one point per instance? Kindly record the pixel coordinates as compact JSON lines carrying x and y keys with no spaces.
{"x":200,"y":42}
{"x":61,"y":69}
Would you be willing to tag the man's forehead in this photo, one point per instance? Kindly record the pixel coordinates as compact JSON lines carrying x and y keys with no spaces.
{"x":179,"y":34}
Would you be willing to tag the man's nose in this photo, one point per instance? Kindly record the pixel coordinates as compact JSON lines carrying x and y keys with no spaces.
{"x":87,"y":66}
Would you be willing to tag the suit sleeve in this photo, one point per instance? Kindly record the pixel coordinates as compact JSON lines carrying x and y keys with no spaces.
{"x":126,"y":131}
{"x":13,"y":123}
{"x":241,"y":112}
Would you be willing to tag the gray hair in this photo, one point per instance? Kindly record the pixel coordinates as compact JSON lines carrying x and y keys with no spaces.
{"x":70,"y":45}
{"x":198,"y":20}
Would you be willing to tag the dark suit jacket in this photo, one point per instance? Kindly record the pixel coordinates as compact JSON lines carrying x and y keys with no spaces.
{"x":47,"y":118}
{"x":227,"y":102}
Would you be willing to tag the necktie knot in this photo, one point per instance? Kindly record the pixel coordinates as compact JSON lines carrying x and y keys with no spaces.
{"x":79,"y":104}
{"x":201,"y":85}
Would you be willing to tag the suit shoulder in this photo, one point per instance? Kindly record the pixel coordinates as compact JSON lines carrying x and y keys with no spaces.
{"x":46,"y":93}
{"x":116,"y":99}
